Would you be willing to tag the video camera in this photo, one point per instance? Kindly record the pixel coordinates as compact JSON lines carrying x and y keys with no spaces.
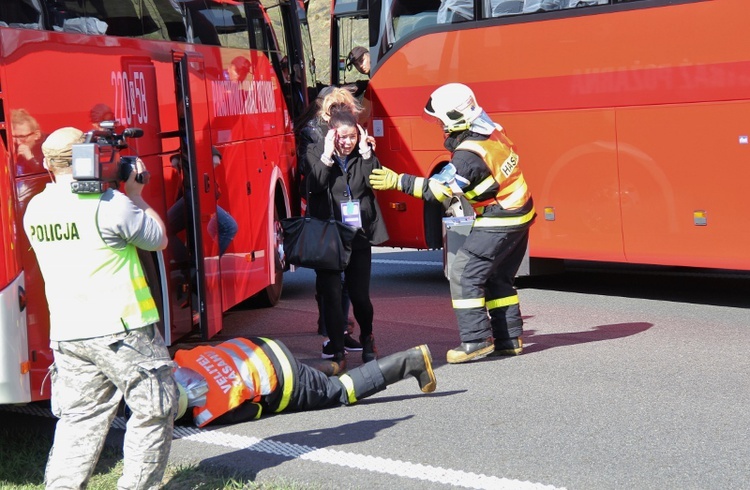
{"x":97,"y":165}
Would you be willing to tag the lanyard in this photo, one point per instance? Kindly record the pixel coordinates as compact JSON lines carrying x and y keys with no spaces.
{"x":343,"y":164}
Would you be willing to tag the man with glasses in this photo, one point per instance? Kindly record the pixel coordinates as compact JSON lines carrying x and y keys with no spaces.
{"x":27,"y":138}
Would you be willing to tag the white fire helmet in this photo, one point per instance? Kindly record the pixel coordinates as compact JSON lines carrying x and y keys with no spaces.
{"x":455,"y":105}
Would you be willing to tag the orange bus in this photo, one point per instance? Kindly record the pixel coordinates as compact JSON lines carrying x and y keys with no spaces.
{"x":207,"y":83}
{"x":630,"y":116}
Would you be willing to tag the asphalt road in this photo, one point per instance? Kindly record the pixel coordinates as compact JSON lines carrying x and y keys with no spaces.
{"x":631,"y":379}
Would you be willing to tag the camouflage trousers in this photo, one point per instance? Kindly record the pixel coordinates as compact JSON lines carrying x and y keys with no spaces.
{"x":89,"y":379}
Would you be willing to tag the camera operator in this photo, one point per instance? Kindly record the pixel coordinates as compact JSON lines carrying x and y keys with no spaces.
{"x":102,"y":323}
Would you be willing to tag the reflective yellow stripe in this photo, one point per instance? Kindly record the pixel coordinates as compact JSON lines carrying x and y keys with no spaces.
{"x":481,"y":187}
{"x":502,"y":302}
{"x":147,"y":304}
{"x":512,"y":187}
{"x":286,"y":370}
{"x":239,"y":363}
{"x":511,"y":201}
{"x":346,"y":380}
{"x":439,"y":190}
{"x":260,"y":362}
{"x":139,"y":282}
{"x":460,"y":304}
{"x":418,"y":183}
{"x":484,"y":221}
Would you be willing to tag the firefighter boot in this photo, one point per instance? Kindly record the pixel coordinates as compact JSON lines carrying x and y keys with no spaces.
{"x":470,"y":351}
{"x":415,"y":362}
{"x":510,"y":347}
{"x":374,"y":376}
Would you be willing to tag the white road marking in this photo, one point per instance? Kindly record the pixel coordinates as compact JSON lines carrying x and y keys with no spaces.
{"x":387,"y":466}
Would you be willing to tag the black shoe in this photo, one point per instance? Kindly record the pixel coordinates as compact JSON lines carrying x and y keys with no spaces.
{"x":470,"y":351}
{"x":509,"y":347}
{"x":350,"y":344}
{"x":329,"y":351}
{"x":369,"y":351}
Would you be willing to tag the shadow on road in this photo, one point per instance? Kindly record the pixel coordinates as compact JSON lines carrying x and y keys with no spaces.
{"x":540,"y":342}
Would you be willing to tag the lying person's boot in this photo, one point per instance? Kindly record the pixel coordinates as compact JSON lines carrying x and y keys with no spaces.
{"x":374,"y":376}
{"x":415,"y":362}
{"x":471,"y":351}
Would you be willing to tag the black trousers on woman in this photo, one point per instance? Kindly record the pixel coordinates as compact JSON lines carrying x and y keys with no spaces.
{"x":357,"y":282}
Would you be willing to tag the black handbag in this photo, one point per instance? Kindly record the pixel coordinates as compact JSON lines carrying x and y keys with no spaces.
{"x":317,"y":243}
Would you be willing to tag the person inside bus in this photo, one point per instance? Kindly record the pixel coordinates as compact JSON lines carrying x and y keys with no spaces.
{"x":483,"y":169}
{"x":359,"y":58}
{"x":103,"y":323}
{"x":311,"y":128}
{"x":27,"y":140}
{"x":338,"y":170}
{"x":99,"y":114}
{"x":260,"y":375}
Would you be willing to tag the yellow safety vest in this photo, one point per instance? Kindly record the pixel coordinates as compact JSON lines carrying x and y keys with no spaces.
{"x":92,"y":290}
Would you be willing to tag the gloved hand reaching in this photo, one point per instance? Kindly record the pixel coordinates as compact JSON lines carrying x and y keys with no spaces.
{"x":384,"y":179}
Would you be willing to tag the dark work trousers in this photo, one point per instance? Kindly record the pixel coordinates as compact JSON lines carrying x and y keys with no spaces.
{"x":314,"y":389}
{"x":357,"y":282}
{"x":481,"y":280}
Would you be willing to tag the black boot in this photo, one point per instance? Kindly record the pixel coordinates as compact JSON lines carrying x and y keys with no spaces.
{"x":415,"y":362}
{"x":470,"y":351}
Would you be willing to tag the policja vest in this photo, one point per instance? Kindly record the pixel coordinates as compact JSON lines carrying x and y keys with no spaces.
{"x":512,"y":192}
{"x":92,"y":289}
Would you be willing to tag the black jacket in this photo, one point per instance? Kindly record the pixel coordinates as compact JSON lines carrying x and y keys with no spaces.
{"x":320,"y":178}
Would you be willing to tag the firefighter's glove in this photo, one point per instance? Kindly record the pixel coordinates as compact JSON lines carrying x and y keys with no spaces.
{"x":385,"y":179}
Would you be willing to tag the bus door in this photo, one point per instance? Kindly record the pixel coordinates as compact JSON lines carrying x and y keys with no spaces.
{"x":204,"y":291}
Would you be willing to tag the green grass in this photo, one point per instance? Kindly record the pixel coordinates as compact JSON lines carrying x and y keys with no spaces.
{"x":25,"y":442}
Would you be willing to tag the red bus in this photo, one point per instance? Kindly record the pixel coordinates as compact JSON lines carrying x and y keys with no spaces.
{"x":207,"y":83}
{"x":630,"y":117}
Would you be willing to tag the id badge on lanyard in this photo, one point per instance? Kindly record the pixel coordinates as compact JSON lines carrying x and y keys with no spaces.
{"x":350,"y":214}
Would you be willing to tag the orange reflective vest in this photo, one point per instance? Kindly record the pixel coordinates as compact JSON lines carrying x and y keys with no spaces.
{"x":498,"y":153}
{"x":235,"y":371}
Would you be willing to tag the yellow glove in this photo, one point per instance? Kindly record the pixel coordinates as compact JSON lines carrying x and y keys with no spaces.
{"x":385,"y":179}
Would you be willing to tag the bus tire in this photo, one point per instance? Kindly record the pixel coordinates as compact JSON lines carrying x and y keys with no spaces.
{"x":271,"y":295}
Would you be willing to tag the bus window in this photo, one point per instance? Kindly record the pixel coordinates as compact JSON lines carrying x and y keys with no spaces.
{"x":409,"y":16}
{"x":258,"y":33}
{"x":24,"y":14}
{"x":216,"y":23}
{"x":89,"y":17}
{"x":230,"y":23}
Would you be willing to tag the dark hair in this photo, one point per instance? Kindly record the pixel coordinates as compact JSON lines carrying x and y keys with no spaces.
{"x":356,"y":55}
{"x":342,"y":115}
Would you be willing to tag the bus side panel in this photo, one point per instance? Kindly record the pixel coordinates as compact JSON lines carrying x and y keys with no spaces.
{"x":15,"y":385}
{"x":400,"y":147}
{"x":569,"y":161}
{"x":685,"y":173}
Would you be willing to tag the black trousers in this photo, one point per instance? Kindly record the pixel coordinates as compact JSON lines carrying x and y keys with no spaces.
{"x":481,"y":280}
{"x":357,"y":282}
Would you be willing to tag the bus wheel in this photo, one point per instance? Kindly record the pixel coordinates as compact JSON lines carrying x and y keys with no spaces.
{"x":271,"y":295}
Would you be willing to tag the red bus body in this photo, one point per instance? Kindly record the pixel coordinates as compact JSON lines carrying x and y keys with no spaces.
{"x":185,"y":99}
{"x":630,"y":118}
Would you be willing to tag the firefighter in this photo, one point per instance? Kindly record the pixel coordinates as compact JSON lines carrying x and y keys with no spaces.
{"x":243,"y":378}
{"x":484,"y":170}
